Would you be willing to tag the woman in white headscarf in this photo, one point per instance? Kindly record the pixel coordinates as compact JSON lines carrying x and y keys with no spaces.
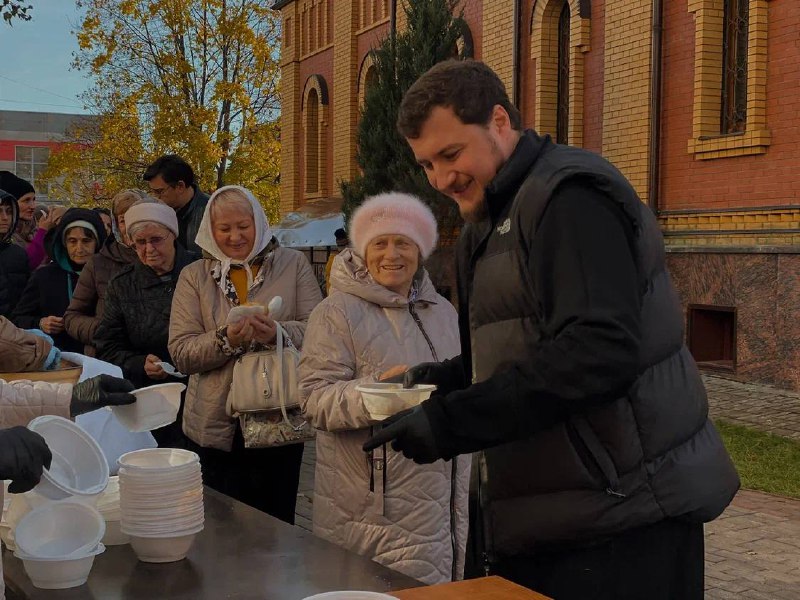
{"x":243,"y":264}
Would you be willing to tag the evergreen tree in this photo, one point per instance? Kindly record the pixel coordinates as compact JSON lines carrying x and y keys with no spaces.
{"x":386,"y":161}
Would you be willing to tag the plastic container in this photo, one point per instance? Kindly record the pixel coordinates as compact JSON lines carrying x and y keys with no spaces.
{"x":162,"y":549}
{"x":59,"y":574}
{"x":59,"y":529}
{"x":114,"y":535}
{"x":382,"y":400}
{"x":155,"y":406}
{"x":80,"y":467}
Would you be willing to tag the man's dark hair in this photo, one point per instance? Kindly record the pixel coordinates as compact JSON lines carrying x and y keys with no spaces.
{"x":469,"y":87}
{"x":340,"y":234}
{"x":172,"y":169}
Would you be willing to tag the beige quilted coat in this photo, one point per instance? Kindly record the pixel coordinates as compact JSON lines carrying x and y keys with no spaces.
{"x":21,"y":401}
{"x":407,"y":517}
{"x":199,"y":308}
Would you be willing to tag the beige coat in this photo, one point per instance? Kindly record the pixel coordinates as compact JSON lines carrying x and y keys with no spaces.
{"x":21,"y":351}
{"x":412,"y":518}
{"x":200,"y":308}
{"x":21,"y":401}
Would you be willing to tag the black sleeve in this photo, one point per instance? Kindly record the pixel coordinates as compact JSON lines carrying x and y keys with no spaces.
{"x":585,"y":275}
{"x":29,"y":311}
{"x":112,"y":340}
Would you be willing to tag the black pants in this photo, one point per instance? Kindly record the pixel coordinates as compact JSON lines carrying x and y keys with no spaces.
{"x":663,"y":561}
{"x":264,"y":478}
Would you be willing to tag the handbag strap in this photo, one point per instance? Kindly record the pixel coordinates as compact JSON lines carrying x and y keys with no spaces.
{"x":280,"y":334}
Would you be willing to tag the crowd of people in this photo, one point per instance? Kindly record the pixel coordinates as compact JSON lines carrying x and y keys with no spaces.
{"x":567,"y":445}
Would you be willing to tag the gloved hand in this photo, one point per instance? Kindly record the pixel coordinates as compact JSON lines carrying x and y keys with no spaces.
{"x":100,"y":391}
{"x":23,"y":456}
{"x":410,"y":433}
{"x":447,"y":376}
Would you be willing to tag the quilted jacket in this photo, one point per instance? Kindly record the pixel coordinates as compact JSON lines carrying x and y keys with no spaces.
{"x":409,"y":517}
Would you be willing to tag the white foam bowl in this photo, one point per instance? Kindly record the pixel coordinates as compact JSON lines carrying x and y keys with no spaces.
{"x":382,"y":400}
{"x":162,"y":549}
{"x":59,"y":530}
{"x":155,"y":406}
{"x":79,"y":466}
{"x":350,"y":595}
{"x":59,"y":574}
{"x":114,"y":535}
{"x":157,"y":461}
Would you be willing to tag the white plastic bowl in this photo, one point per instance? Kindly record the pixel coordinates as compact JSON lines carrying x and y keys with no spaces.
{"x":350,"y":595}
{"x":59,"y":574}
{"x":162,"y":549}
{"x":114,"y":535}
{"x":155,"y":406}
{"x":79,"y":466}
{"x":382,"y":400}
{"x":59,"y":530}
{"x":155,"y":461}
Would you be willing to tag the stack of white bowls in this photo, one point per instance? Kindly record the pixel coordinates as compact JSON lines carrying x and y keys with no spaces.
{"x":57,"y":543}
{"x":108,"y":506}
{"x":161,"y":502}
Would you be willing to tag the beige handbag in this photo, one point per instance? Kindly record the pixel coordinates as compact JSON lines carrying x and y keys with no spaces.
{"x":264,"y":396}
{"x":265,"y":380}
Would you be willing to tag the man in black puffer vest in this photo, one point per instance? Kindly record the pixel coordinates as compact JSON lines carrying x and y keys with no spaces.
{"x":598,"y":462}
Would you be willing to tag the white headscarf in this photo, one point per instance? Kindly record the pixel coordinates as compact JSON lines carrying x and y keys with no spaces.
{"x":205,"y":235}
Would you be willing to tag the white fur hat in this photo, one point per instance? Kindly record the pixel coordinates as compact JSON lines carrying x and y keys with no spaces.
{"x":393,"y":213}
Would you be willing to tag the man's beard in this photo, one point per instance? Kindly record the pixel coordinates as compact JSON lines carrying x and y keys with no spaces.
{"x":475,"y":214}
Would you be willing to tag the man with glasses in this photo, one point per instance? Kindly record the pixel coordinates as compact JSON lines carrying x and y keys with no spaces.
{"x":172,"y":181}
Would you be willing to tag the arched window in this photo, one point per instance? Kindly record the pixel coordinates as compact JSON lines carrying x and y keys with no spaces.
{"x":367,"y":76}
{"x":559,"y":39}
{"x":562,"y":110}
{"x":734,"y":66}
{"x":315,"y":121}
{"x":312,"y":142}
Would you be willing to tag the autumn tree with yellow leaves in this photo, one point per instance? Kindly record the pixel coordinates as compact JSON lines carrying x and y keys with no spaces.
{"x":198,"y":78}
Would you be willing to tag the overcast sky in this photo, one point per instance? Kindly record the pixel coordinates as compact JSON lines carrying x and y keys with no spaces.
{"x":36,"y":57}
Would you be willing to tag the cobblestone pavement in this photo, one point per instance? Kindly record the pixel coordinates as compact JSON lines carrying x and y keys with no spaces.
{"x":759,"y":406}
{"x":753,"y":549}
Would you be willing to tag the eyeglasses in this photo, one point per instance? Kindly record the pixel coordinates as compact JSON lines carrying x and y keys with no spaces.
{"x":158,"y":192}
{"x":155,"y":242}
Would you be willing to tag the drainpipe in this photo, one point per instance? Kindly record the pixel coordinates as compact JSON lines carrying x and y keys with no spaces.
{"x":516,"y":67}
{"x":393,"y":18}
{"x":655,"y":105}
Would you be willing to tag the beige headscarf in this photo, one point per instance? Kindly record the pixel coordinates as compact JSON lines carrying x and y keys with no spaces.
{"x":205,"y":236}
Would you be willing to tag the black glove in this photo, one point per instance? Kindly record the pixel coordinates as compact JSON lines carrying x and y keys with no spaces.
{"x":100,"y":391}
{"x":447,"y":376}
{"x":410,"y":433}
{"x":23,"y":456}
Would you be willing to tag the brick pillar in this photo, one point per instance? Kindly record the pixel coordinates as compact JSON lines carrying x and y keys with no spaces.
{"x":498,"y":39}
{"x":291,"y":126}
{"x":626,"y":93}
{"x":345,"y":90}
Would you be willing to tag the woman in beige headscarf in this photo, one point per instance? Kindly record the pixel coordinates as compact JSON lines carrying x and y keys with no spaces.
{"x":243,"y":264}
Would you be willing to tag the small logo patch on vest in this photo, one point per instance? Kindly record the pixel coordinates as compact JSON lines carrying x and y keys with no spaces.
{"x":504,"y":227}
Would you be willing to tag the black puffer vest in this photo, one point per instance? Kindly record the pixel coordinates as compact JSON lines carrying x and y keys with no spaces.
{"x":643,"y":457}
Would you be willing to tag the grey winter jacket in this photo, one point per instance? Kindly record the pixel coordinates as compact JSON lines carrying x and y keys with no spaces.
{"x":411,"y":518}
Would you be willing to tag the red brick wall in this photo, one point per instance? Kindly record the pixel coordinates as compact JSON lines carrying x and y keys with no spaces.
{"x":772,"y":179}
{"x":593,"y":81}
{"x":319,"y":64}
{"x":8,"y":152}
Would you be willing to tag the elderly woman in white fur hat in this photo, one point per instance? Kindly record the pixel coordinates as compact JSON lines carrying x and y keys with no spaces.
{"x":243,"y":264}
{"x":383,"y":313}
{"x":134,"y":329}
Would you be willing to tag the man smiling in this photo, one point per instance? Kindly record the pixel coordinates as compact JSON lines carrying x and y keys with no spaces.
{"x":598,"y":463}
